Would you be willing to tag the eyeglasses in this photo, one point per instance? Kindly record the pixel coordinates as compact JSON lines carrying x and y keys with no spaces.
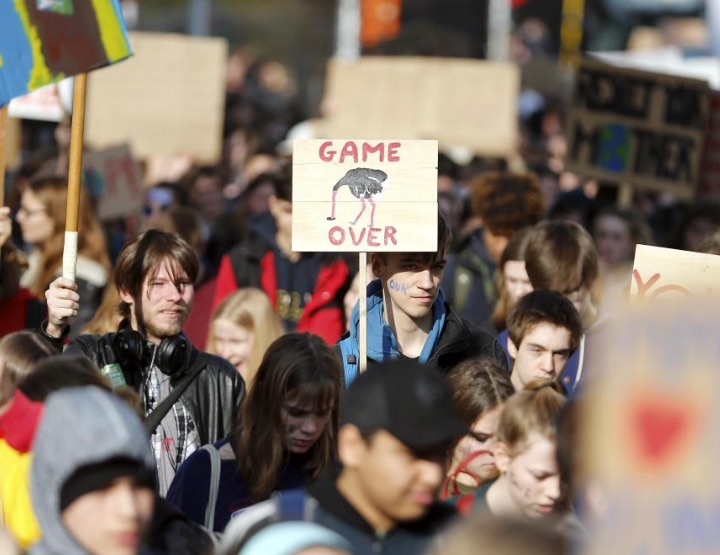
{"x":28,"y":212}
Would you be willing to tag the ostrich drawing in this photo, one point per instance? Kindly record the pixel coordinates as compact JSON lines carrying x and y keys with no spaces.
{"x":366,"y":185}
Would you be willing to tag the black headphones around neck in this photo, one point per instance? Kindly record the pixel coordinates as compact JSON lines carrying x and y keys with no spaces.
{"x":172,"y":356}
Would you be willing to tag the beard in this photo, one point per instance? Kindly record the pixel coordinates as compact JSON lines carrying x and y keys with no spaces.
{"x":156,"y":327}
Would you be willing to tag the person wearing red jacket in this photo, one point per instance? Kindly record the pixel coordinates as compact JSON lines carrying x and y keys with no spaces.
{"x":305,"y":289}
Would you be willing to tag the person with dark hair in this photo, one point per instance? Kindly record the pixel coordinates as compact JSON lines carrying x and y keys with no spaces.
{"x":408,"y":317}
{"x":511,"y":279}
{"x":561,"y":256}
{"x":306,"y":289}
{"x":189,"y":397}
{"x":544,"y":329}
{"x":398,"y":422}
{"x":286,"y":434}
{"x":505,"y":203}
{"x":480,"y":388}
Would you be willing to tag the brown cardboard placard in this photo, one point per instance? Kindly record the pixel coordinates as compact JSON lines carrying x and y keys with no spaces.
{"x":115,"y":178}
{"x":364,"y":195}
{"x":458,"y":102}
{"x":168,"y":99}
{"x":637,"y":127}
{"x":666,"y":273}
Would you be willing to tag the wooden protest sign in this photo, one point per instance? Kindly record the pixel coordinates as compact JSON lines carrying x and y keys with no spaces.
{"x":44,"y":42}
{"x":169,"y":99}
{"x":364,"y":196}
{"x":468,"y":103}
{"x":669,"y":273}
{"x":651,"y":432}
{"x":114,"y":178}
{"x":637,"y":127}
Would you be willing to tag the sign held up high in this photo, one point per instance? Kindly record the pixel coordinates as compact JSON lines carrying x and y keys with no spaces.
{"x":637,"y":127}
{"x":364,"y":196}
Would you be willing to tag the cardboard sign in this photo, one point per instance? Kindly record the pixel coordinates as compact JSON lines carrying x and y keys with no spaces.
{"x":44,"y":41}
{"x":458,"y":102}
{"x":669,"y":273}
{"x":364,"y":196}
{"x":167,"y":100}
{"x":114,"y":178}
{"x":637,"y":127}
{"x":652,"y":432}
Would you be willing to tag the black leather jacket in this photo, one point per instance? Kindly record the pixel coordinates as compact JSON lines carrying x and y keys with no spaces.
{"x":212,"y":398}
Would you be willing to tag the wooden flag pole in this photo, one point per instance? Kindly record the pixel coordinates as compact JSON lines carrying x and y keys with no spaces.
{"x":74,"y":177}
{"x":362,"y":339}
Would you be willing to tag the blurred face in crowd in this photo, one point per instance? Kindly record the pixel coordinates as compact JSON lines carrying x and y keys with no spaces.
{"x":531,"y":477}
{"x":157,"y":201}
{"x":614,"y":242}
{"x":206,"y":195}
{"x":478,"y":443}
{"x":517,"y":283}
{"x":112,"y":520}
{"x":385,"y":480}
{"x":234,"y":343}
{"x":165,"y":303}
{"x":543,"y":353}
{"x":35,"y":222}
{"x":411,"y":282}
{"x":281,"y":211}
{"x":303,"y":423}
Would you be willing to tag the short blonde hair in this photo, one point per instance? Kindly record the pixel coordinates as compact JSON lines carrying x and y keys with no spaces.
{"x":534,"y":410}
{"x":251,"y":309}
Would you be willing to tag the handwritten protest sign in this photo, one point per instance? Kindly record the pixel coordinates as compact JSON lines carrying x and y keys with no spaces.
{"x":467,"y":103}
{"x":44,"y":42}
{"x":651,"y":432}
{"x":669,"y":273}
{"x":48,"y":103}
{"x":167,"y":100}
{"x":115,"y":180}
{"x":637,"y":127}
{"x":364,"y":195}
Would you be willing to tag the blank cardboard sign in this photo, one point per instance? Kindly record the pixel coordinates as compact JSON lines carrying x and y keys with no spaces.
{"x":167,"y":100}
{"x":364,"y":196}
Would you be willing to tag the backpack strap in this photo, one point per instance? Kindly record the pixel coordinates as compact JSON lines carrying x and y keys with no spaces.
{"x":214,"y":485}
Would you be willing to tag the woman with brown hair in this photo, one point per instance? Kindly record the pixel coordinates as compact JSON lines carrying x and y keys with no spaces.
{"x":286,"y":435}
{"x":480,"y":388}
{"x":511,"y":279}
{"x":41,"y":216}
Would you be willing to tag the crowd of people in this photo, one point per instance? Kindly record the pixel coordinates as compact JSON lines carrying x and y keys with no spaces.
{"x":198,"y":388}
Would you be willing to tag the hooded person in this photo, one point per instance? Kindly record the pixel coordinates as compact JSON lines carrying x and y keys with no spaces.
{"x":93,"y":475}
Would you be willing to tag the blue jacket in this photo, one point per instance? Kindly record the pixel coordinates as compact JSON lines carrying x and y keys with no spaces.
{"x":450,"y":340}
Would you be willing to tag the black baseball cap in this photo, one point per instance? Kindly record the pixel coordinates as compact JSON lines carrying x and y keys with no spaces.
{"x":411,"y":401}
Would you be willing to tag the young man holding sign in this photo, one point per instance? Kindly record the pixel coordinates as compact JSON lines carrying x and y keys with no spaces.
{"x":407,"y":316}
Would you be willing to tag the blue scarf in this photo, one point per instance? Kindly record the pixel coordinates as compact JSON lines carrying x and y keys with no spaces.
{"x":381,"y":342}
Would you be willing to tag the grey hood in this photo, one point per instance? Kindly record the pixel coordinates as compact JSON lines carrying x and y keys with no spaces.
{"x":80,"y":426}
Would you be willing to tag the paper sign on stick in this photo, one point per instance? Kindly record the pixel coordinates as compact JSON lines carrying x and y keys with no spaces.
{"x":364,"y":196}
{"x":168,"y":100}
{"x":44,"y":41}
{"x":637,"y":127}
{"x":115,"y":179}
{"x":669,"y":273}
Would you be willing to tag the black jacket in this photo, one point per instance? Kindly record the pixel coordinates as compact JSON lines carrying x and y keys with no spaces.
{"x":410,"y":538}
{"x":212,"y":398}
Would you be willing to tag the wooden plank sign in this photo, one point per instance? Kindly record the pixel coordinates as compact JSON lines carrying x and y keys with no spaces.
{"x":42,"y":42}
{"x":168,"y":100}
{"x":637,"y":127}
{"x":114,"y":178}
{"x":364,"y":196}
{"x":669,"y":273}
{"x":651,"y":432}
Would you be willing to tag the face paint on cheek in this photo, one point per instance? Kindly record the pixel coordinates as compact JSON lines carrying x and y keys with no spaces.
{"x":395,"y":286}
